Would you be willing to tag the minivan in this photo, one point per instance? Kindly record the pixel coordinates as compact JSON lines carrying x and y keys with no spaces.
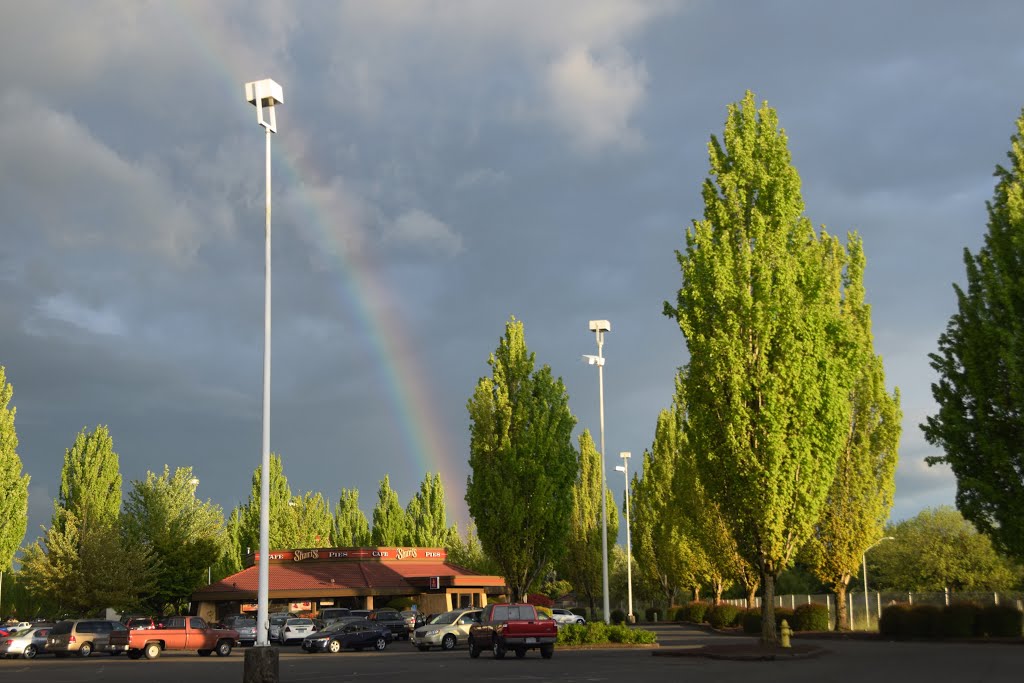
{"x":85,"y":636}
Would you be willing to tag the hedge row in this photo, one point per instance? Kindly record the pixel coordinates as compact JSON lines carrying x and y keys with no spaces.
{"x":804,"y":618}
{"x":960,"y":620}
{"x":597,"y":632}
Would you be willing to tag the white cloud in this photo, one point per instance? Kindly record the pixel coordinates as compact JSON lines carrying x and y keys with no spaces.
{"x":64,"y":308}
{"x":419,"y":228}
{"x":480,"y":177}
{"x":593,"y":100}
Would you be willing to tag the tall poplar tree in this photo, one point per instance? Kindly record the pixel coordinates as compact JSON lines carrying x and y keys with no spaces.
{"x":980,"y":363}
{"x":861,"y":496}
{"x":427,"y":517}
{"x":351,"y":528}
{"x":232,"y":555}
{"x":390,"y":526}
{"x":314,"y":522}
{"x":663,"y":554}
{"x":581,"y":566}
{"x":90,"y":482}
{"x":767,"y":385}
{"x":13,"y":484}
{"x":522,"y":461}
{"x":283,"y":531}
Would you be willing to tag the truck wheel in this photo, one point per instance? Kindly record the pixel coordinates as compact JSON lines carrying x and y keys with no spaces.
{"x":152,"y":650}
{"x":448,"y":642}
{"x":474,"y":651}
{"x":85,"y":650}
{"x":223,"y":648}
{"x":205,"y":653}
{"x":547,"y":650}
{"x":498,"y":649}
{"x":520,"y":652}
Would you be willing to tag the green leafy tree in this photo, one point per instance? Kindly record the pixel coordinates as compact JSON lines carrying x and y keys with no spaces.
{"x":980,"y":362}
{"x":184,"y":533}
{"x":351,"y":528}
{"x":935,"y":550}
{"x":426,"y":515}
{"x":232,"y":554}
{"x":767,"y":384}
{"x":581,"y":565}
{"x":468,"y":553}
{"x":283,"y":530}
{"x":861,"y":495}
{"x":522,"y":461}
{"x":83,"y":568}
{"x":665,"y":557}
{"x":390,"y":526}
{"x":13,"y":484}
{"x":314,"y":521}
{"x":90,"y":482}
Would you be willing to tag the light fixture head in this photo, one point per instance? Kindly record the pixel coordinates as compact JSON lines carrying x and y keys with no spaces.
{"x":620,"y":468}
{"x":593,"y":360}
{"x":625,"y":454}
{"x":264,"y":95}
{"x":600,"y":326}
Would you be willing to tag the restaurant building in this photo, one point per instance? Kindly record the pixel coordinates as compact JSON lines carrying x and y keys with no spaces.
{"x":310,"y":579}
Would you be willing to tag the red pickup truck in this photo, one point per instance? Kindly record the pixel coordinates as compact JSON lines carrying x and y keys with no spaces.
{"x":182,"y":633}
{"x":512,"y":626}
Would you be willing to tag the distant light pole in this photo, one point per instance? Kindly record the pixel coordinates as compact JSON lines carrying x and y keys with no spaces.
{"x":599,"y":327}
{"x":264,"y":95}
{"x":864,"y":559}
{"x":624,"y":468}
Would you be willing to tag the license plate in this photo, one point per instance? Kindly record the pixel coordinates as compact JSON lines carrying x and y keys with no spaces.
{"x":531,"y":640}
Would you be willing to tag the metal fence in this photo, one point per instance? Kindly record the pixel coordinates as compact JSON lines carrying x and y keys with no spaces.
{"x":863,"y":614}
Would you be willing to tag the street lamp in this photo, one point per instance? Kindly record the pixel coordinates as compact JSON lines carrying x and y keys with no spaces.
{"x":624,"y":468}
{"x":864,"y":559}
{"x":264,"y":95}
{"x":599,"y":327}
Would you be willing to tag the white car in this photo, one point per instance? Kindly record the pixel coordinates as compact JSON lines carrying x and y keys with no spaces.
{"x":295,"y":629}
{"x":564,"y":616}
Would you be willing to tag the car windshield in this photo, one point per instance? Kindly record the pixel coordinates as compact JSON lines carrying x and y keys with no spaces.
{"x":300,"y":622}
{"x":245,"y":623}
{"x":446,"y":618}
{"x":277,"y":621}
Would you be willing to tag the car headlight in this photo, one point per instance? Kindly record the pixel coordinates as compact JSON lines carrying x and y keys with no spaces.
{"x":321,"y":641}
{"x":433,"y":631}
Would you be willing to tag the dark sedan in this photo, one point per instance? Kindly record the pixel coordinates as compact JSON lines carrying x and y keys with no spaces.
{"x":354,"y":635}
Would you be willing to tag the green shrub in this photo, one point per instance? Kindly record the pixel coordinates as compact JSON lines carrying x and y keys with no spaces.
{"x":572,"y":634}
{"x":893,"y":623}
{"x":618,"y":616}
{"x":598,"y":632}
{"x":810,"y":617}
{"x":961,"y":620}
{"x":723,"y":615}
{"x":925,"y":622}
{"x":671,"y":613}
{"x":595,"y":632}
{"x":693,"y":612}
{"x":783,"y":613}
{"x":1001,"y":621}
{"x":751,"y":621}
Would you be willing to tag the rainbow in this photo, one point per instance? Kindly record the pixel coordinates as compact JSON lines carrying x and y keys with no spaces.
{"x":363,"y":293}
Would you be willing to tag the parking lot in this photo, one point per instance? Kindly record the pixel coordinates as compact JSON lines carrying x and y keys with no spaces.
{"x":846,"y":661}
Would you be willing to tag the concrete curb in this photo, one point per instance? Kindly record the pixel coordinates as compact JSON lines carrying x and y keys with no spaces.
{"x":744,"y":653}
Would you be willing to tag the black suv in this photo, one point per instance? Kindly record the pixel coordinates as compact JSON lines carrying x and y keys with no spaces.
{"x":393,"y":619}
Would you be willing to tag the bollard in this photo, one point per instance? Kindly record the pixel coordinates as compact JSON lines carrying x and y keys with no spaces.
{"x":785,"y":632}
{"x":655,"y":615}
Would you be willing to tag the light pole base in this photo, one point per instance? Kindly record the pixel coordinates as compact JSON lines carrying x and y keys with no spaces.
{"x":261,"y":665}
{"x":631,"y":618}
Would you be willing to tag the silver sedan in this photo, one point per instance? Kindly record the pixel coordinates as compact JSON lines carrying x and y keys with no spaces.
{"x":26,"y":643}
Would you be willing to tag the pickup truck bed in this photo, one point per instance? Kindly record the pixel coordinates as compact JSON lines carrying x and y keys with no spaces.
{"x":514,"y":627}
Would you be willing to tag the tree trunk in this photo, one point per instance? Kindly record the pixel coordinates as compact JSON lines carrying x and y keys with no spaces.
{"x":769,"y":635}
{"x":718,"y":586}
{"x":752,"y":595}
{"x":696,"y":593}
{"x":841,"y":622}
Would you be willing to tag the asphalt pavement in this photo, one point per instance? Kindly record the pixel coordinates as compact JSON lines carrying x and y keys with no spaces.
{"x":859,"y":661}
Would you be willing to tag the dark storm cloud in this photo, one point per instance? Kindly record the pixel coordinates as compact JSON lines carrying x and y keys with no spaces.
{"x":441,"y":167}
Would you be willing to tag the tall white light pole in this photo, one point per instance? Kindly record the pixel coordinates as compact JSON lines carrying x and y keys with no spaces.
{"x":864,"y":559}
{"x":599,"y":327}
{"x":624,"y":468}
{"x":264,"y":95}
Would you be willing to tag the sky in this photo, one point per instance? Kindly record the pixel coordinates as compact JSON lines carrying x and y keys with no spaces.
{"x":440,"y":167}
